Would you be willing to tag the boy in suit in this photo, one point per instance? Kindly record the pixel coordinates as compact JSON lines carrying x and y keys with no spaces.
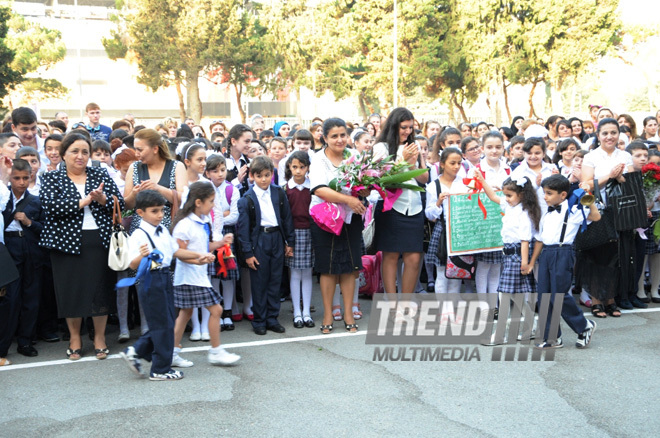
{"x":557,"y":231}
{"x":265,"y":233}
{"x":23,"y":218}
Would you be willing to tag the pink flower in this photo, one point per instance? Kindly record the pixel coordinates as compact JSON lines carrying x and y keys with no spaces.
{"x":372,"y":172}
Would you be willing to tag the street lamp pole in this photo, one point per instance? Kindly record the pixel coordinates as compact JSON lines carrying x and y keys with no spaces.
{"x":395,"y":73}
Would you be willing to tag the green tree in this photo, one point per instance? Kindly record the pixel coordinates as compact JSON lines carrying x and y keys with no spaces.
{"x":8,"y":76}
{"x":37,"y":49}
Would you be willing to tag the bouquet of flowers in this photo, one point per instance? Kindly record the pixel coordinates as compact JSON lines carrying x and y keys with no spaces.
{"x":651,"y":183}
{"x":360,"y":172}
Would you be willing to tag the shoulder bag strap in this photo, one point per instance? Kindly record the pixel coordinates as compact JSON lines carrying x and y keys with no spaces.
{"x":116,"y":211}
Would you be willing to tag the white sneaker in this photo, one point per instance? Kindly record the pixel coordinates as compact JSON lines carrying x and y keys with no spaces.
{"x":206,"y":337}
{"x":195,"y":336}
{"x":178,"y":361}
{"x":170,"y":375}
{"x":223,"y":357}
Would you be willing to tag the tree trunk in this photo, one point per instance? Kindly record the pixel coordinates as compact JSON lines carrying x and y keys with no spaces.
{"x":298,"y":106}
{"x":506,"y":98}
{"x":192,"y":89}
{"x":460,"y":107}
{"x":239,"y":92}
{"x":452,"y":116}
{"x":363,"y":107}
{"x":530,"y":100}
{"x":182,"y":104}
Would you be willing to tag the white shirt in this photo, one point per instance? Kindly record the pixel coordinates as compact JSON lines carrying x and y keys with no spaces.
{"x":552,"y":223}
{"x":432,"y":211}
{"x":192,"y":229}
{"x":15,"y":225}
{"x":89,"y":223}
{"x":321,"y":172}
{"x":4,"y":198}
{"x":516,"y":223}
{"x":268,"y":218}
{"x":495,"y":178}
{"x":220,"y":205}
{"x":546,"y":171}
{"x":410,"y":201}
{"x":186,"y":189}
{"x":163,"y":241}
{"x":292,"y":184}
{"x":602,"y":163}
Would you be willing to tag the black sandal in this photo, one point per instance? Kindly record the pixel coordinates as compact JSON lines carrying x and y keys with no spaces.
{"x":352,"y":328}
{"x":598,"y":310}
{"x":73,"y":354}
{"x":611,"y":308}
{"x":326,"y":329}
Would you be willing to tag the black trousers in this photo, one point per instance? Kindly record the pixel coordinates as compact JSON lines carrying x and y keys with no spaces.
{"x":266,"y":279}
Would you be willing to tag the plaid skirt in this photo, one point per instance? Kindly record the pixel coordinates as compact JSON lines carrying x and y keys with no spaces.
{"x":431,"y":257}
{"x":511,"y":280}
{"x":303,"y":254}
{"x":492,"y":257}
{"x":188,"y":297}
{"x":651,"y":246}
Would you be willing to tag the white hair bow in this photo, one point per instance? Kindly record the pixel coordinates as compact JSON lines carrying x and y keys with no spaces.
{"x":119,"y":151}
{"x":520,"y":180}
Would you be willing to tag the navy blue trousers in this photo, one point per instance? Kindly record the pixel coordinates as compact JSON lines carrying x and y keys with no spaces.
{"x":157,"y":345}
{"x":266,"y":279}
{"x":20,"y":307}
{"x":555,"y":276}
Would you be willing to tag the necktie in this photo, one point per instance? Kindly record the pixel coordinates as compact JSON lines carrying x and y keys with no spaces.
{"x":557,"y":208}
{"x":159,"y":229}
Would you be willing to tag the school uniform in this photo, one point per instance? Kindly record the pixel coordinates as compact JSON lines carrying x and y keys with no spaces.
{"x":22,"y":242}
{"x":524,"y":170}
{"x":300,"y":196}
{"x":516,"y":227}
{"x":557,"y":231}
{"x":192,"y":286}
{"x":265,"y":226}
{"x":233,"y":167}
{"x":157,"y":302}
{"x":226,"y":198}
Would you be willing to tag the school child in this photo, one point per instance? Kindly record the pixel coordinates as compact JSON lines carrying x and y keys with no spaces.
{"x":192,"y":286}
{"x":276,"y":152}
{"x":534,"y":167}
{"x":557,"y":231}
{"x":449,"y":137}
{"x":52,"y":151}
{"x":640,"y":156}
{"x":102,"y":152}
{"x":303,"y":140}
{"x":300,"y":264}
{"x":563,"y":159}
{"x":437,"y":193}
{"x":9,"y":145}
{"x":652,"y":251}
{"x":23,"y":218}
{"x":193,"y":156}
{"x":31,"y":155}
{"x":516,"y":154}
{"x":225,"y":215}
{"x":493,"y":170}
{"x":265,"y":233}
{"x":520,"y":223}
{"x":155,"y":293}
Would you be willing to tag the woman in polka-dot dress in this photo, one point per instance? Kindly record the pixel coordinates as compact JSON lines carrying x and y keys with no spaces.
{"x":78,"y":203}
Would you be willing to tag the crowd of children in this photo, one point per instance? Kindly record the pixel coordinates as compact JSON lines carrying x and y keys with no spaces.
{"x":247,"y":190}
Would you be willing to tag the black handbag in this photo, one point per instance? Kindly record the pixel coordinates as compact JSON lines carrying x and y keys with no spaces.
{"x":600,"y":232}
{"x":442,"y":244}
{"x":627,"y":202}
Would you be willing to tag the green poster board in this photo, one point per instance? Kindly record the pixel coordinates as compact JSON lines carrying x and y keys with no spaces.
{"x":467,"y":230}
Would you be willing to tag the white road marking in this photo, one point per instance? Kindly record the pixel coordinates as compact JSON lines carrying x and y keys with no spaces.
{"x":187,"y":350}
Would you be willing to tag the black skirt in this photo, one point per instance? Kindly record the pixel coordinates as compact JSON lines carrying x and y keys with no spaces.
{"x":607,"y":270}
{"x":84,"y":284}
{"x":338,"y":254}
{"x":396,"y":232}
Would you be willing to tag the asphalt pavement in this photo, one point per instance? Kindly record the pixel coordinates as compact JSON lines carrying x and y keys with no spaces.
{"x":304,"y":384}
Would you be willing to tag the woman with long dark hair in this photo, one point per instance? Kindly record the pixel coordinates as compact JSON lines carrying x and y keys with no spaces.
{"x":400,"y":231}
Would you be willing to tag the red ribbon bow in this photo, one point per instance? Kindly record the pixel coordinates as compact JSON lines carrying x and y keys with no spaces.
{"x":477,"y":188}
